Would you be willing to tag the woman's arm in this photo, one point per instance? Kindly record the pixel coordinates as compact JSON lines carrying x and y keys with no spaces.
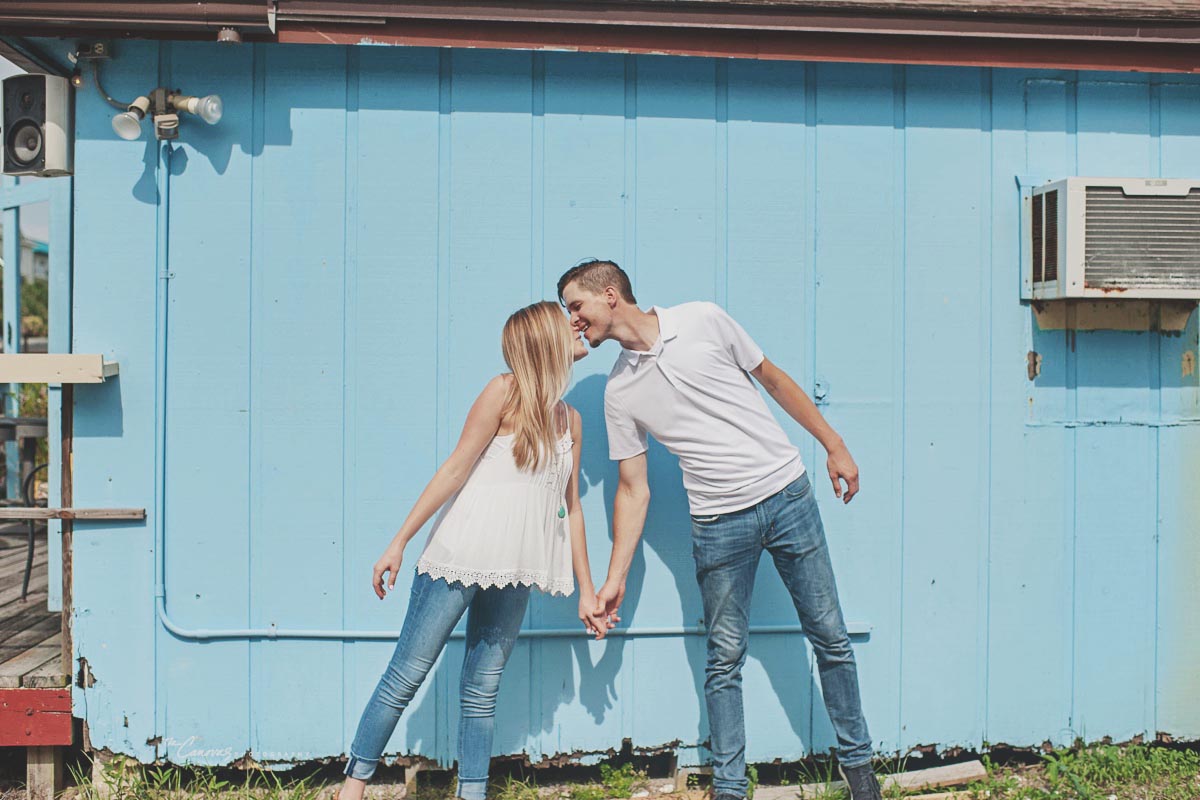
{"x":579,"y":555}
{"x":482,"y":423}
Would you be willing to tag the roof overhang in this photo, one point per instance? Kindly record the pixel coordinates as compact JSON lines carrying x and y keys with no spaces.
{"x":1155,"y":35}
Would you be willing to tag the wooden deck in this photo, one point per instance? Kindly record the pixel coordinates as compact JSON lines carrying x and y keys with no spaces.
{"x":30,"y":636}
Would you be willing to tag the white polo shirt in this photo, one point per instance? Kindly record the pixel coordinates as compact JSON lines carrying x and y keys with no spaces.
{"x":693,"y":393}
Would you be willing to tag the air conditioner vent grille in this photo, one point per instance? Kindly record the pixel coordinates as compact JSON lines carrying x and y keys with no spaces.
{"x":1038,"y":237}
{"x":1139,"y":240}
{"x":1051,"y":273}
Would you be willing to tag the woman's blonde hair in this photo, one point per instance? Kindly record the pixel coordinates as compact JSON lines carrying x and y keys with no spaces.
{"x":537,"y":347}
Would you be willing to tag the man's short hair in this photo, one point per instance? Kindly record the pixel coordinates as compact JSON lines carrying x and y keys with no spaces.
{"x":596,"y":275}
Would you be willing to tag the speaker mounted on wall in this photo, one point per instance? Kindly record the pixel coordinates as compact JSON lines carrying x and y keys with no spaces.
{"x":38,"y":125}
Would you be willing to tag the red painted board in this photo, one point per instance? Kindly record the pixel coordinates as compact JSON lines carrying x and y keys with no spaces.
{"x":35,"y":717}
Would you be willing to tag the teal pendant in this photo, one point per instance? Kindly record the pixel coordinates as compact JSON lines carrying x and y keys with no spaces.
{"x":562,"y":512}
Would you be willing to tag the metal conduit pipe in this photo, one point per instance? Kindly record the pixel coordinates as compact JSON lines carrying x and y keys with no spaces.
{"x":272,"y":631}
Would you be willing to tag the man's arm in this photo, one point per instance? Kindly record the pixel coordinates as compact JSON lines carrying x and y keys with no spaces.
{"x":629,"y":517}
{"x":800,"y":407}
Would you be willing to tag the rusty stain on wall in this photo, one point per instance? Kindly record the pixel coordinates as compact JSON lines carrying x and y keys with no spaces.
{"x":83,"y":677}
{"x":1189,"y":363}
{"x":1033,"y":365}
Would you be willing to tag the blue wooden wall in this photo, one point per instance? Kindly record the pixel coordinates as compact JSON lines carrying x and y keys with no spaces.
{"x":341,"y":251}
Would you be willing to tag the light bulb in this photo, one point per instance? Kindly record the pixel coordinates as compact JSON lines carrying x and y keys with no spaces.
{"x":210,"y":108}
{"x":128,"y":125}
{"x":207,"y":108}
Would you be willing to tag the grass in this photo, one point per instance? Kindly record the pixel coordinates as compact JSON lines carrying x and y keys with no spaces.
{"x":515,"y":789}
{"x":1097,"y":772}
{"x":1092,"y":772}
{"x":616,"y":783}
{"x":128,"y":780}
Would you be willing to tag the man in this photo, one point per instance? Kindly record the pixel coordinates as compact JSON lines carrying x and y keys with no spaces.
{"x":683,"y":376}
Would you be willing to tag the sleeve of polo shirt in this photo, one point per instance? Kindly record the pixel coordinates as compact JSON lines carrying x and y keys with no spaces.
{"x":746,"y":354}
{"x":626,"y":439}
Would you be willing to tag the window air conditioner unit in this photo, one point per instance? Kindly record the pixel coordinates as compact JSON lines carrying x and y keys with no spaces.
{"x":1113,"y":238}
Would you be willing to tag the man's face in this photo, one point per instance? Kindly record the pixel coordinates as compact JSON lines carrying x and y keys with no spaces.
{"x":591,"y":313}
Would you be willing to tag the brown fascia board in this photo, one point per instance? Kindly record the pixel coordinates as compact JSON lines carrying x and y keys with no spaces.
{"x":1001,"y":20}
{"x":625,"y":11}
{"x":1157,"y":35}
{"x":67,"y":17}
{"x":1096,"y":9}
{"x":765,"y":45}
{"x":1149,"y":20}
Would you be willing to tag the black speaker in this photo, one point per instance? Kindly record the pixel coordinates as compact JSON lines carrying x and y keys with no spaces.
{"x":38,"y":125}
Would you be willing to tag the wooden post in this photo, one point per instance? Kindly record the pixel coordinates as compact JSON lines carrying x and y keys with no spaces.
{"x":411,"y":773}
{"x":682,"y":775}
{"x":68,"y":420}
{"x":107,"y":773}
{"x":43,"y":772}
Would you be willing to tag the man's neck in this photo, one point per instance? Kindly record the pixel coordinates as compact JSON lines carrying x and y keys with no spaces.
{"x":637,"y":330}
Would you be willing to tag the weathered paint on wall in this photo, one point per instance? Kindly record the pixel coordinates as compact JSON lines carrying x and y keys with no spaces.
{"x":341,"y":251}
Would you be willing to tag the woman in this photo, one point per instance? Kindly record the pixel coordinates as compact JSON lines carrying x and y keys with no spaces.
{"x":513,"y":523}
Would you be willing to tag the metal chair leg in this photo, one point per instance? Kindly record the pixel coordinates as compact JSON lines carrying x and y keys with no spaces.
{"x":27,"y":496}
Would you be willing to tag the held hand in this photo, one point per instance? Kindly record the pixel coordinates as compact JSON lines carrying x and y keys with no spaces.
{"x":842,"y":468}
{"x":608,"y":602}
{"x":593,"y":623}
{"x":388,"y":563}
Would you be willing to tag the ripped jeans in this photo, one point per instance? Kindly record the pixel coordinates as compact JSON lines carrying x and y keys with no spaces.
{"x":493,"y":620}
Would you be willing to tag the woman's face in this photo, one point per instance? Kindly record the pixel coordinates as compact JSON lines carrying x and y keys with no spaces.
{"x":578,"y":348}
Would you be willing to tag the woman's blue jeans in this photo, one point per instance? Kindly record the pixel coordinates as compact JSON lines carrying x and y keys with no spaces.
{"x":493,"y":620}
{"x":727,"y":549}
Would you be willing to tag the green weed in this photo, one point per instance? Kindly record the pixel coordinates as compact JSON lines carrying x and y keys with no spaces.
{"x":125,"y":779}
{"x":1097,"y":772}
{"x":515,"y":789}
{"x":621,"y":781}
{"x":587,"y":791}
{"x":821,"y":775}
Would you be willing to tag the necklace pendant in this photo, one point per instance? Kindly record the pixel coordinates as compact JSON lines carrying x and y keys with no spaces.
{"x":562,"y":512}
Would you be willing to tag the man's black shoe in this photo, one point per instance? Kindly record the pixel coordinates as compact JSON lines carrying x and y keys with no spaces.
{"x":861,"y":782}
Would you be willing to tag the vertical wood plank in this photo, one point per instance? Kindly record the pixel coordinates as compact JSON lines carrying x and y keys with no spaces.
{"x":297,"y":298}
{"x":1029,"y":604}
{"x":945,"y":408}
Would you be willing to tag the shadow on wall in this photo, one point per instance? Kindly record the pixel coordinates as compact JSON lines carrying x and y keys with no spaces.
{"x":1148,"y":376}
{"x":98,"y":411}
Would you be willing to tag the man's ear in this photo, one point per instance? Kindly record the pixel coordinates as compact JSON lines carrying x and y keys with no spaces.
{"x":610,"y":296}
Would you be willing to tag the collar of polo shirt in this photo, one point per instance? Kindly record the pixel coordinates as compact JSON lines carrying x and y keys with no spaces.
{"x":666,"y":332}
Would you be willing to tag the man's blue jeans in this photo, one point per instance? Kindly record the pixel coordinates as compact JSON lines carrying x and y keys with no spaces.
{"x":434,"y":608}
{"x":727,"y":549}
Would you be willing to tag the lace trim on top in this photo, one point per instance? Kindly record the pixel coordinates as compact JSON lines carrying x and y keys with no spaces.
{"x":498,"y":578}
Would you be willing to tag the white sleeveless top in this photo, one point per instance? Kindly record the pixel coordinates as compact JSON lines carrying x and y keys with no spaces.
{"x":504,"y":525}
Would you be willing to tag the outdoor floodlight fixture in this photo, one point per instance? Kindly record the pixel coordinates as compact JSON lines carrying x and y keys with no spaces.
{"x":128,"y":124}
{"x":208,"y":108}
{"x":161,"y":104}
{"x":164,"y":106}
